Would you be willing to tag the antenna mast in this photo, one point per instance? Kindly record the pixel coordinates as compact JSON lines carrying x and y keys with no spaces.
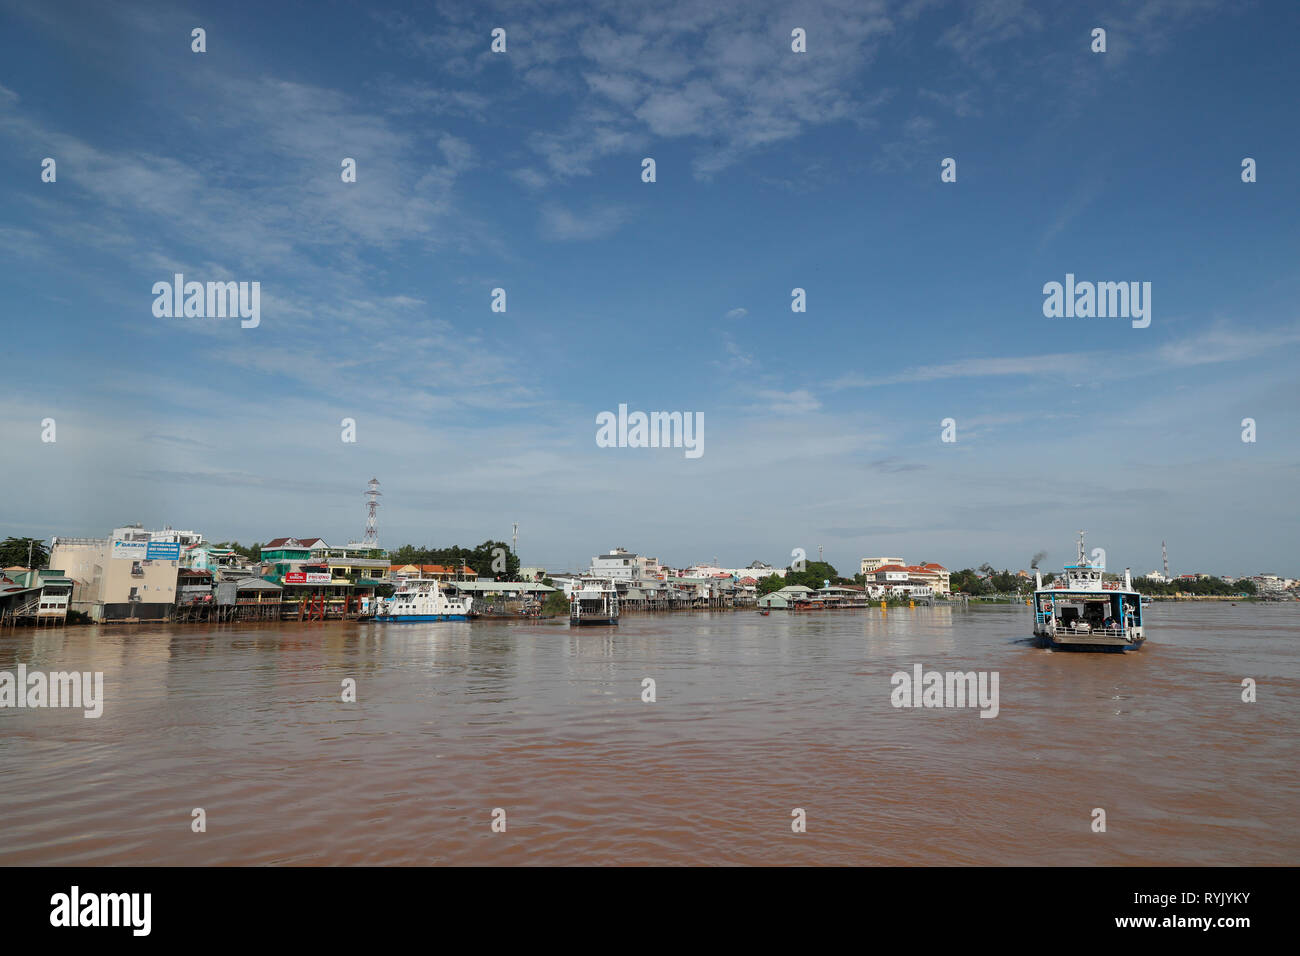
{"x":371,"y":540}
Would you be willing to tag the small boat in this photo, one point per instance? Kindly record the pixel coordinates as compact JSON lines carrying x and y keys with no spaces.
{"x":765,"y":612}
{"x":594,"y":604}
{"x":424,"y":599}
{"x":1083,"y":610}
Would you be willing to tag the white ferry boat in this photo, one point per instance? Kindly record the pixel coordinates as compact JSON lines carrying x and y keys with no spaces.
{"x":1082,"y":609}
{"x":424,"y":599}
{"x":595,"y":603}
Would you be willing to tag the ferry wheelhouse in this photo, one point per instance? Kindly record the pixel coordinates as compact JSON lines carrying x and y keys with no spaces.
{"x":425,"y":599}
{"x":1084,"y":610}
{"x":595,"y":603}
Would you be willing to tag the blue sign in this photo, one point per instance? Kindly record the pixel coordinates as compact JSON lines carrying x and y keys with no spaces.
{"x":163,"y":551}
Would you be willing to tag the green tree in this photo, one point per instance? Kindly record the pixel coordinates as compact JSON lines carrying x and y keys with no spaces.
{"x":483,"y":560}
{"x":14,"y":551}
{"x":813,"y":576}
{"x":1004,"y":581}
{"x":773,"y":582}
{"x":253,"y":552}
{"x":555,"y":603}
{"x":967,"y":581}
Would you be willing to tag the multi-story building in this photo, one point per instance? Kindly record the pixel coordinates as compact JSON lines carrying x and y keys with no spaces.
{"x":354,"y":562}
{"x":870,"y":565}
{"x":281,"y":556}
{"x":890,"y":574}
{"x":39,"y":596}
{"x":621,"y":565}
{"x":933,"y":576}
{"x":130,"y":576}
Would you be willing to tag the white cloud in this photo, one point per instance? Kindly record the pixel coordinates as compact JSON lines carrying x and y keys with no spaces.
{"x":594,"y":222}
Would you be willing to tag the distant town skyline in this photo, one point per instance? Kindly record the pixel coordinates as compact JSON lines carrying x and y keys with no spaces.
{"x":776,"y":171}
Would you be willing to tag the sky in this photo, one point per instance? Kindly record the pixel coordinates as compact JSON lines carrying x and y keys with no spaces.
{"x":775,"y":170}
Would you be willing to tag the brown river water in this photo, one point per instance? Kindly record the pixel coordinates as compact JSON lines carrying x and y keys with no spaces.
{"x":754,"y":716}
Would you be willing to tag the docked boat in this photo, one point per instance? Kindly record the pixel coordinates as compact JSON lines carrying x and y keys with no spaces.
{"x":594,"y":604}
{"x":424,"y":599}
{"x":1083,"y":610}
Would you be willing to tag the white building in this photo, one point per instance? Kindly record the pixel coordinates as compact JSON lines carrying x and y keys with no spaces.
{"x":168,"y":535}
{"x":871,"y":564}
{"x":757,"y":571}
{"x":622,"y":565}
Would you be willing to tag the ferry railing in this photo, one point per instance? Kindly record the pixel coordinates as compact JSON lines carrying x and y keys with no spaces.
{"x":1058,"y":627}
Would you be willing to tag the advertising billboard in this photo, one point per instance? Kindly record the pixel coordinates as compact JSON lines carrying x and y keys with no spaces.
{"x":129,"y":550}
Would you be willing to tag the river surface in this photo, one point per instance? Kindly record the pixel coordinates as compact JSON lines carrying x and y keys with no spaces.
{"x":754,"y":717}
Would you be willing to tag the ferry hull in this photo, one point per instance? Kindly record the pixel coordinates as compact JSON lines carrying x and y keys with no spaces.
{"x":593,"y":622}
{"x":418,"y":618}
{"x":1088,"y":642}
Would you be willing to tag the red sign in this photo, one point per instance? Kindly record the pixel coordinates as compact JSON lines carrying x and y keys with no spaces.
{"x":295,"y":577}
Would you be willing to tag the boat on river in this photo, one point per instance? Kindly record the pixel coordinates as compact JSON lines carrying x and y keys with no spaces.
{"x":425,"y":599}
{"x":1083,"y":610}
{"x":594,"y":604}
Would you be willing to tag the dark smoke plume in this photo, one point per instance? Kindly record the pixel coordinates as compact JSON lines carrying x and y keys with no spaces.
{"x":1037,"y":557}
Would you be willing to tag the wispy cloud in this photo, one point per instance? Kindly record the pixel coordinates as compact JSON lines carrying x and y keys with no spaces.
{"x":798,"y":402}
{"x":1015,"y":365}
{"x":594,"y":222}
{"x":1227,"y":343}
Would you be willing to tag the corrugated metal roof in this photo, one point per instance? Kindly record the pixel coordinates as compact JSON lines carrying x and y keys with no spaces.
{"x":500,"y":586}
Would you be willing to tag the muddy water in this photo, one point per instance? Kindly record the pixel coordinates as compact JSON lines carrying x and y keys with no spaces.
{"x":754,"y":716}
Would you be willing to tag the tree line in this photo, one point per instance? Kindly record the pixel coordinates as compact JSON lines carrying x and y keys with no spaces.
{"x":491,"y":559}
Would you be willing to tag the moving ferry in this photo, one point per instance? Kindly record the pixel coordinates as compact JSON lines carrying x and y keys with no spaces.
{"x":1083,"y":610}
{"x":424,"y":599}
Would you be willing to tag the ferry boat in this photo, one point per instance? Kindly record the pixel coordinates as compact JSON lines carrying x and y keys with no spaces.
{"x":424,"y":599}
{"x":1084,"y":610}
{"x":595,"y":603}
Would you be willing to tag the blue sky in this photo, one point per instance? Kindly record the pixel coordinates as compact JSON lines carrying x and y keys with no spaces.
{"x":775,"y":170}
